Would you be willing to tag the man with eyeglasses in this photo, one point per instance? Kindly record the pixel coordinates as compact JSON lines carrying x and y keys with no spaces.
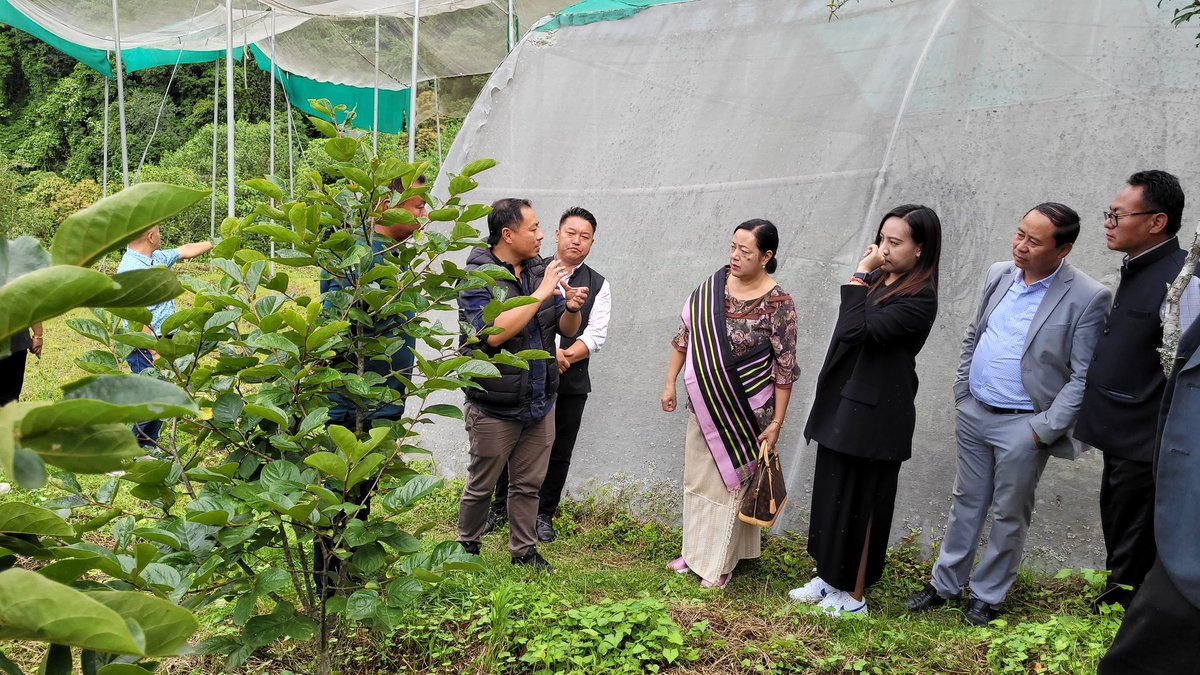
{"x":1125,"y":381}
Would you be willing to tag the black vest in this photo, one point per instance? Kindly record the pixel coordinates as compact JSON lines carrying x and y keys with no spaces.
{"x":576,"y":380}
{"x":510,"y":395}
{"x":1125,"y":379}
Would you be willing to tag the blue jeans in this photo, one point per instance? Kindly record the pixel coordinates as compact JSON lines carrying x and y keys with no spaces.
{"x":145,"y":432}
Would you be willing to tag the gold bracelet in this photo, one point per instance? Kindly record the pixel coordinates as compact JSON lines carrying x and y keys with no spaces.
{"x":775,"y":422}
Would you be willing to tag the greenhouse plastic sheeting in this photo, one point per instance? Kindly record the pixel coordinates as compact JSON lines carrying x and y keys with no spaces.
{"x":326,"y":48}
{"x":683,"y":120}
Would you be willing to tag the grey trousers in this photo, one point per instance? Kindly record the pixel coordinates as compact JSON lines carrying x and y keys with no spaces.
{"x":525,"y":448}
{"x":998,"y":467}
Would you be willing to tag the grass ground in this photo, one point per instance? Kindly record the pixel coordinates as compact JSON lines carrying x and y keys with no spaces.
{"x":612,"y":607}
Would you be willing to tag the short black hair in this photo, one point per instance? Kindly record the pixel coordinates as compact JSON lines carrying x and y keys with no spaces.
{"x":505,"y":213}
{"x":1161,"y":193}
{"x":578,"y":212}
{"x":397,"y":184}
{"x":1063,"y":218}
{"x":766,"y":237}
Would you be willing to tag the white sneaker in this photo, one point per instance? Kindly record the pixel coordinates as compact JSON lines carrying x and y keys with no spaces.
{"x":839,"y":604}
{"x":812,"y":592}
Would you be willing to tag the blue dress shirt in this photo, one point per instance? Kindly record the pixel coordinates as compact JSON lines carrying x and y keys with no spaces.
{"x":996,"y":365}
{"x":132,"y":260}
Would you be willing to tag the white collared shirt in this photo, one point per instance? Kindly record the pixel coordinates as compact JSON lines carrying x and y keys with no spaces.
{"x":596,"y":332}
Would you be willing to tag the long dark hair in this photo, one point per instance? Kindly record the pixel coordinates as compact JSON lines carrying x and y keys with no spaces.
{"x":926,"y":230}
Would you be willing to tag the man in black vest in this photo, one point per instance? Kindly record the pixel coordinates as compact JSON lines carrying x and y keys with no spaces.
{"x":1125,"y":381}
{"x":575,"y":234}
{"x":510,"y":419}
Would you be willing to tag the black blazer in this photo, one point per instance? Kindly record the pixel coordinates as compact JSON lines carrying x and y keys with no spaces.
{"x":863,"y":405}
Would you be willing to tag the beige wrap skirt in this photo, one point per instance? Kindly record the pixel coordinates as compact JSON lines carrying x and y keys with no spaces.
{"x":714,"y":539}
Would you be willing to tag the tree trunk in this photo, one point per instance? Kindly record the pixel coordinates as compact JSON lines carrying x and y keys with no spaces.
{"x":1171,"y":328}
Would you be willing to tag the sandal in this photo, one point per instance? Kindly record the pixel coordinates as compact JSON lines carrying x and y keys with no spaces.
{"x":678,"y":566}
{"x":720,"y":584}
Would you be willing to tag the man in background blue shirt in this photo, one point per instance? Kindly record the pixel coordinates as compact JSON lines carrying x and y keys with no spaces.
{"x":1018,"y":391}
{"x":143,"y":253}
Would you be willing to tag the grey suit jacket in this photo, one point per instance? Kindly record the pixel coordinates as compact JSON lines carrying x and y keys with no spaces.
{"x":1177,"y":483}
{"x":1058,"y":349}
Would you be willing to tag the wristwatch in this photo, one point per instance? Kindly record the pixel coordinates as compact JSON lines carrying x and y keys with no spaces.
{"x":862,"y":276}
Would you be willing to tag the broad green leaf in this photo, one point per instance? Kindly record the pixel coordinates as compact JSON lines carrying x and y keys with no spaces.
{"x":135,"y":314}
{"x":401,"y":592}
{"x":266,"y":411}
{"x":477,"y":166}
{"x":412,"y":491}
{"x":123,"y":669}
{"x":139,"y":288}
{"x":90,"y":328}
{"x":108,"y":399}
{"x":46,"y":293}
{"x":478,"y":368}
{"x":364,"y":469}
{"x":328,"y":464}
{"x":362,"y":605}
{"x":461,"y":184}
{"x":90,"y":449}
{"x":443,"y":215}
{"x":327,"y":129}
{"x":276,"y":232}
{"x":343,"y":438}
{"x":34,"y":608}
{"x":227,"y":407}
{"x":85,"y":236}
{"x":21,"y":518}
{"x":266,"y":187}
{"x":166,"y":626}
{"x":341,"y":149}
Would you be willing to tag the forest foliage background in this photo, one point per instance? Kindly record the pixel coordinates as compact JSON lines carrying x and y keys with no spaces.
{"x":52,"y":135}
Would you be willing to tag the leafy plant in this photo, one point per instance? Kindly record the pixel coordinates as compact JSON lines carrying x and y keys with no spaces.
{"x":630,"y":636}
{"x":119,"y":622}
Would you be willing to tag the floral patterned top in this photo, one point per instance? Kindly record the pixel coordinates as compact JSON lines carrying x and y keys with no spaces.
{"x":771,"y":317}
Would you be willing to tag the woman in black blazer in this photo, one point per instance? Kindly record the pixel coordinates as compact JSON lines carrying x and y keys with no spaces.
{"x":863,"y":412}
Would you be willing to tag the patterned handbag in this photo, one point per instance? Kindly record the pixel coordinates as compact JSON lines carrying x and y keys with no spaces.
{"x":765,"y":497}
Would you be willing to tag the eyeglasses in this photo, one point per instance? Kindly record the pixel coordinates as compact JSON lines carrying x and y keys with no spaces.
{"x":1116,"y":217}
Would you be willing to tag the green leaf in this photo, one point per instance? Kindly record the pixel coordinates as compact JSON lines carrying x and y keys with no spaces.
{"x":276,"y":232}
{"x":85,"y":236}
{"x":107,"y":399}
{"x":341,"y":149}
{"x":401,"y":592}
{"x":134,"y":314}
{"x":228,"y":407}
{"x":266,"y":411}
{"x":165,"y":625}
{"x":461,"y":184}
{"x":367,"y":467}
{"x":139,"y":288}
{"x":477,"y":166}
{"x":46,"y":293}
{"x":123,"y":669}
{"x":478,"y":368}
{"x":362,"y":605}
{"x":37,"y":609}
{"x":265,"y":187}
{"x":328,"y":464}
{"x":91,"y":449}
{"x":412,"y":491}
{"x":21,"y":518}
{"x":444,"y":410}
{"x":327,"y":129}
{"x":443,"y":215}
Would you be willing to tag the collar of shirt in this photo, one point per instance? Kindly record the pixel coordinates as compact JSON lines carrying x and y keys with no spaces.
{"x":1019,"y":279}
{"x":1126,"y":260}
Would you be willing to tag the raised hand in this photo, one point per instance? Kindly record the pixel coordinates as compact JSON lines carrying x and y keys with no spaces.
{"x":871,"y":260}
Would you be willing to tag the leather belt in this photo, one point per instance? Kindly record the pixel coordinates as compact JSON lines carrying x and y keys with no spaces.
{"x":1003,"y":411}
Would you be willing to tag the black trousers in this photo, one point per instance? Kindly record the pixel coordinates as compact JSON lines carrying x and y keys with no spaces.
{"x":1127,"y":518}
{"x":12,"y":376}
{"x":1160,"y":633}
{"x":568,"y":414}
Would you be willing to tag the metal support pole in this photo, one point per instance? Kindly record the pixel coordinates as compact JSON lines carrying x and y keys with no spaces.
{"x":229,"y":106}
{"x":510,"y":39}
{"x":212,"y":197}
{"x":412,"y":84}
{"x":375,"y":107}
{"x":271,"y":156}
{"x":120,"y":94}
{"x":104,"y":161}
{"x":437,"y":121}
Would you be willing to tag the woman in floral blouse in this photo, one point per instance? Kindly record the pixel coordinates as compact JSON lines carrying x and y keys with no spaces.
{"x":736,"y":346}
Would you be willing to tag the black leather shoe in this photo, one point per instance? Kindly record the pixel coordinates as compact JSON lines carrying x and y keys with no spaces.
{"x":545,"y":529}
{"x":535,"y":560}
{"x":926,"y":599}
{"x":980,"y":613}
{"x":471,"y":547}
{"x":495,"y":521}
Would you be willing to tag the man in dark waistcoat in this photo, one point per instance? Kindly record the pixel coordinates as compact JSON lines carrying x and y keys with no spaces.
{"x":575,"y":234}
{"x":1125,"y":381}
{"x":510,"y":420}
{"x":1160,"y":631}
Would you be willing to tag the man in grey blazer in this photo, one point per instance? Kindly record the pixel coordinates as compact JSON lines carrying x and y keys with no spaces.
{"x":1019,"y":386}
{"x":1162,"y":628}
